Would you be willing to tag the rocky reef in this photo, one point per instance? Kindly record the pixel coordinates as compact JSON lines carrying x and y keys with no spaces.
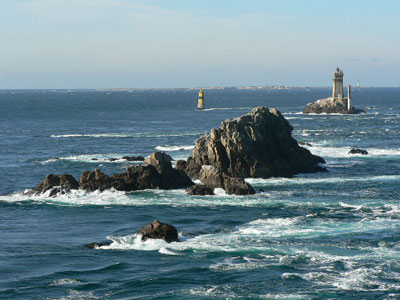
{"x":331,"y":106}
{"x":158,"y":230}
{"x":257,"y":144}
{"x":156,"y":172}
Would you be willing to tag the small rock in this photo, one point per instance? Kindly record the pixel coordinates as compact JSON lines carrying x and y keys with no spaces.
{"x":304,"y":144}
{"x":133,"y":158}
{"x":200,"y":190}
{"x":358,"y":151}
{"x":56,"y":184}
{"x":112,"y":159}
{"x":158,"y":230}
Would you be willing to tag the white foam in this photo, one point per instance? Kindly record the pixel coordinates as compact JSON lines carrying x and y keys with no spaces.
{"x":64,"y":281}
{"x":125,"y":135}
{"x":93,"y":158}
{"x":329,"y":151}
{"x":174,"y":148}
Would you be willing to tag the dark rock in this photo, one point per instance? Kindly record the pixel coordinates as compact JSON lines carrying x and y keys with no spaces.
{"x":157,"y":172}
{"x":97,"y":245}
{"x":258,"y":144}
{"x":214,"y":178}
{"x":133,"y":158}
{"x":170,"y":178}
{"x":158,"y":230}
{"x":358,"y":151}
{"x":112,"y":159}
{"x":94,"y":180}
{"x":94,"y":158}
{"x":137,"y":178}
{"x":200,"y":190}
{"x":305,"y":144}
{"x":331,"y":106}
{"x":56,"y":158}
{"x":181,"y":165}
{"x":56,"y":184}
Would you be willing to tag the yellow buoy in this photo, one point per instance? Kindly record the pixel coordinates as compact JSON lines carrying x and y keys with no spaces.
{"x":200,"y":104}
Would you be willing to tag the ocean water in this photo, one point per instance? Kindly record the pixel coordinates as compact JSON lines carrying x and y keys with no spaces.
{"x":332,"y":235}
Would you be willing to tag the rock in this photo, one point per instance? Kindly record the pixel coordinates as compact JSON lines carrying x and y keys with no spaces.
{"x":305,"y":144}
{"x":97,"y":245}
{"x":330,"y":106}
{"x":157,"y":172}
{"x":200,"y":190}
{"x":112,"y":159}
{"x":258,"y":144}
{"x":213,"y":177}
{"x":94,"y":158}
{"x":358,"y":151}
{"x":158,"y":230}
{"x":181,"y":165}
{"x":94,"y":180}
{"x":137,"y":177}
{"x":170,"y":178}
{"x":133,"y":158}
{"x":56,"y":184}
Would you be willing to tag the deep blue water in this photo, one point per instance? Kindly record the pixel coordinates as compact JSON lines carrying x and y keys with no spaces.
{"x":329,"y":235}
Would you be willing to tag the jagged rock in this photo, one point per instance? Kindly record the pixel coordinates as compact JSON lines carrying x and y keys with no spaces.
{"x":137,"y":178}
{"x":331,"y":106}
{"x":170,"y":178}
{"x":56,"y":184}
{"x":133,"y":158}
{"x":358,"y":151}
{"x":158,"y":230}
{"x":213,"y":177}
{"x":94,"y":180}
{"x":200,"y":190}
{"x":304,"y":144}
{"x":181,"y":165}
{"x":258,"y":144}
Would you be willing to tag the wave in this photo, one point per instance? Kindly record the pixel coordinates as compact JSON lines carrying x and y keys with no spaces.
{"x":126,"y":135}
{"x":312,"y":180}
{"x":174,"y":148}
{"x":329,"y":151}
{"x":92,"y":158}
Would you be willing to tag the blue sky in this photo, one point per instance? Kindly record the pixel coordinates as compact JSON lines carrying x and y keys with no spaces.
{"x":191,"y":43}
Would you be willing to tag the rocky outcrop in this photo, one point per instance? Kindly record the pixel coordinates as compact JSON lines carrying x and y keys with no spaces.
{"x":331,"y":106}
{"x":156,"y":173}
{"x":358,"y":151}
{"x":200,"y":190}
{"x":94,"y":180}
{"x":258,"y":144}
{"x":55,"y":184}
{"x":213,"y":177}
{"x":158,"y":230}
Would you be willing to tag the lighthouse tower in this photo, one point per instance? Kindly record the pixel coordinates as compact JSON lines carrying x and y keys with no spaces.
{"x":337,"y":84}
{"x":200,"y":104}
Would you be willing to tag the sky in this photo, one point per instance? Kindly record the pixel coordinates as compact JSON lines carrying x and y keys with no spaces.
{"x":192,"y":43}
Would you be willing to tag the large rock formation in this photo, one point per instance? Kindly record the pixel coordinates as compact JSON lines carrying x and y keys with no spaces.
{"x":55,"y":184}
{"x":258,"y":144}
{"x":94,"y":180}
{"x":158,"y":230}
{"x":331,"y":106}
{"x":200,"y":190}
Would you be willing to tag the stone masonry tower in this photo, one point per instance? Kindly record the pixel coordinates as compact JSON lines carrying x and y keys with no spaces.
{"x":338,"y":84}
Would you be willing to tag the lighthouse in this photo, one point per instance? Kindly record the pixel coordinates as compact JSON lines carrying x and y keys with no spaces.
{"x":200,"y":104}
{"x":338,"y":84}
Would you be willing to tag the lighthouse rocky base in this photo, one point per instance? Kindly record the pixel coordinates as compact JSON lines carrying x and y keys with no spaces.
{"x":331,"y":106}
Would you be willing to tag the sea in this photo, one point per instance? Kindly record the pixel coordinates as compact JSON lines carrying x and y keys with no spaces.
{"x":331,"y":235}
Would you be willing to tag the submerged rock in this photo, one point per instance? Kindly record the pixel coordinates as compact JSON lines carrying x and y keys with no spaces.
{"x":95,"y":245}
{"x":358,"y":151}
{"x":55,"y":184}
{"x":331,"y":106}
{"x":258,"y":144}
{"x":133,"y":158}
{"x":158,"y":230}
{"x":200,"y":190}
